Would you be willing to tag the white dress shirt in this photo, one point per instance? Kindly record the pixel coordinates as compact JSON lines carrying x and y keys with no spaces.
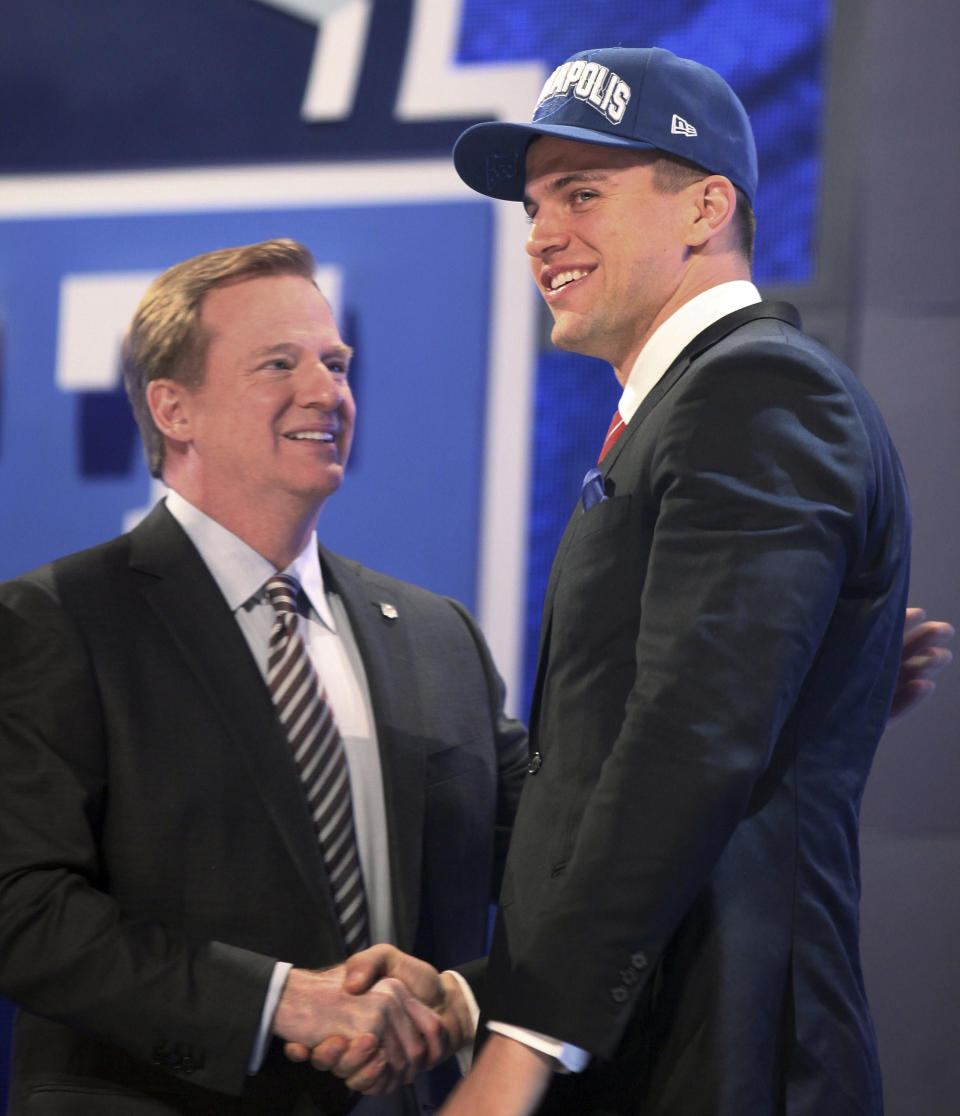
{"x":661,"y":350}
{"x":670,"y":338}
{"x":241,"y":574}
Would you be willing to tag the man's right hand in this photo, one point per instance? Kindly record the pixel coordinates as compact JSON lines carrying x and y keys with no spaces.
{"x":362,"y":1061}
{"x":382,"y":1017}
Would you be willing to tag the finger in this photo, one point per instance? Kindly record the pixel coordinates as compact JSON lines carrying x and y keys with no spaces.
{"x":402,"y":1041}
{"x":389,"y":1082}
{"x":349,"y":1059}
{"x":432,"y":1032}
{"x":914,"y":617}
{"x":376,"y":1078}
{"x":296,"y":1051}
{"x":932,"y":633}
{"x":326,"y":1055}
{"x":421,"y":978}
{"x":908,"y":694}
{"x":392,"y":1047}
{"x":925,"y":662}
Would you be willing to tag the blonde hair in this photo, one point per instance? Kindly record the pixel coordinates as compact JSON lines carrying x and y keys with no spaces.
{"x":166,"y":340}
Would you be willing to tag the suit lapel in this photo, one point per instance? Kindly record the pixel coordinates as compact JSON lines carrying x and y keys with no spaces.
{"x":187,"y":600}
{"x":383,"y":642}
{"x":704,"y":340}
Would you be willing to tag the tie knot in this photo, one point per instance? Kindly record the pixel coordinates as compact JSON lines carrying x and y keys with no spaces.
{"x":284,"y":592}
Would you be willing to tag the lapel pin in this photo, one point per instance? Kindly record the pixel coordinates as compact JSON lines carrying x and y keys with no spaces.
{"x":387,"y":611}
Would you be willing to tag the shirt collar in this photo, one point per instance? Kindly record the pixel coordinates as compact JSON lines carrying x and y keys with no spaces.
{"x":672,"y":336}
{"x":239,"y":571}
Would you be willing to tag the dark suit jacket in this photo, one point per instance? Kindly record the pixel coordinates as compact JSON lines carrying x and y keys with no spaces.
{"x":156,"y":855}
{"x":720,"y":642}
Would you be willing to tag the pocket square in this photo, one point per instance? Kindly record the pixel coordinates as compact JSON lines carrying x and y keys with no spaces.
{"x":592,"y":489}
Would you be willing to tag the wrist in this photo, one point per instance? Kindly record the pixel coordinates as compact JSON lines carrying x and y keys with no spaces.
{"x":459,"y":1021}
{"x":295,"y":1017}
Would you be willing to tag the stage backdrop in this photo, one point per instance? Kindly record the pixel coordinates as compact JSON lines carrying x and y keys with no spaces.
{"x":135,"y":133}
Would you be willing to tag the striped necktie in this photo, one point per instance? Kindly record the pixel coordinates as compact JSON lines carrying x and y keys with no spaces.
{"x":614,"y":431}
{"x":318,"y":752}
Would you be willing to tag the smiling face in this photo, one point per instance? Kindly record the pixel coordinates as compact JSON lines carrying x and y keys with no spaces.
{"x":609,"y":251}
{"x":271,"y":423}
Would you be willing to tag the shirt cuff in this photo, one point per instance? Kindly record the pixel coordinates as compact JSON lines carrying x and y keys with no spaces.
{"x":566,"y":1057}
{"x":281,"y":970}
{"x":465,"y":1053}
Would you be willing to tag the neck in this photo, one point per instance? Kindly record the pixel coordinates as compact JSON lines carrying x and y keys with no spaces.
{"x":279,"y":544}
{"x":278,"y":531}
{"x":709,"y":272}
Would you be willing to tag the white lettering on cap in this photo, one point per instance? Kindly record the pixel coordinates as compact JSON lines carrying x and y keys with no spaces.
{"x":591,"y":83}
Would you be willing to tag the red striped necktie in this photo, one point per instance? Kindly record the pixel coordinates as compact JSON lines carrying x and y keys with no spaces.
{"x":613,"y":433}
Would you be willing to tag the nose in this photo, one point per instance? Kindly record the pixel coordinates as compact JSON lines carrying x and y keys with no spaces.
{"x":546,"y":234}
{"x":320,"y":389}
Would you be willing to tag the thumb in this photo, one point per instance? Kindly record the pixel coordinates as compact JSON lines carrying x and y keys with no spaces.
{"x":364,"y":969}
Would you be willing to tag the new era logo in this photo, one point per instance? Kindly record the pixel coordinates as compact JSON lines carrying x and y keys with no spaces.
{"x":679,"y":127}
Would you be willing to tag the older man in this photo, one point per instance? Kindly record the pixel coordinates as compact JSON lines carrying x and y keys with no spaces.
{"x":231,"y":757}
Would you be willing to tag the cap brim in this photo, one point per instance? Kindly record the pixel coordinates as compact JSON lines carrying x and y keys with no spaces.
{"x":491,"y":158}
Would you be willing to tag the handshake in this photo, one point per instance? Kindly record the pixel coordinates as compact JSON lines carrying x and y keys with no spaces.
{"x":376,"y":1021}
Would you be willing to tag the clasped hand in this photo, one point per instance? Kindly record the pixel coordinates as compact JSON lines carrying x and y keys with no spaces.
{"x":376,"y":1021}
{"x":923,"y":656}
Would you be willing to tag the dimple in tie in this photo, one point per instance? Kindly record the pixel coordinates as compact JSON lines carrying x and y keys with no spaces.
{"x":319,"y":755}
{"x":614,"y":431}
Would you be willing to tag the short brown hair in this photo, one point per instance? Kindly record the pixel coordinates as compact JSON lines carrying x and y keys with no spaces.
{"x":165,"y":339}
{"x":673,"y":174}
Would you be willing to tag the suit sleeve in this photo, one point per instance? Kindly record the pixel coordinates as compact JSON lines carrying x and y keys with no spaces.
{"x":756,"y":505}
{"x":67,"y":952}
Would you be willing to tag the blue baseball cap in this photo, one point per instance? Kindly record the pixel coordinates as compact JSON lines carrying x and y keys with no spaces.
{"x":635,"y":97}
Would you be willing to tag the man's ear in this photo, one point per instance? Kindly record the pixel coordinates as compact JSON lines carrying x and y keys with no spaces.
{"x":715,"y":199}
{"x":168,"y":401}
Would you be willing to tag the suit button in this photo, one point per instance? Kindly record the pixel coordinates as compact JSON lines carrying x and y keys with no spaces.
{"x":534,"y":765}
{"x":639,"y":961}
{"x":619,"y":994}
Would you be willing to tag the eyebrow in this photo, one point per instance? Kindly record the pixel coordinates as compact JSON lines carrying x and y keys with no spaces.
{"x":345,"y":352}
{"x":556,"y":185}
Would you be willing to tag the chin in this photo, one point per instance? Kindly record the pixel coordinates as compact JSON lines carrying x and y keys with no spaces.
{"x":317,"y":489}
{"x":562,"y":338}
{"x":571,"y":340}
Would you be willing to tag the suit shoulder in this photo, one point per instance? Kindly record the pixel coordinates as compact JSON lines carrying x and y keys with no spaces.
{"x":776,"y":346}
{"x":71,"y":574}
{"x":768,"y":355}
{"x":773,"y":335}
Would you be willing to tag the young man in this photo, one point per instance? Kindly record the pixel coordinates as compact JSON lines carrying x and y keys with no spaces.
{"x":721,"y":639}
{"x":165,"y":857}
